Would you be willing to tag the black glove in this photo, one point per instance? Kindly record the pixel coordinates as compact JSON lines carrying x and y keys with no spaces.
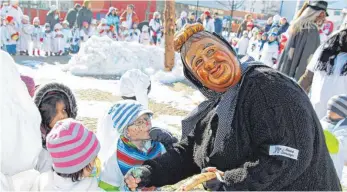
{"x":142,"y":173}
{"x":214,"y":184}
{"x":274,"y":61}
{"x":163,"y":136}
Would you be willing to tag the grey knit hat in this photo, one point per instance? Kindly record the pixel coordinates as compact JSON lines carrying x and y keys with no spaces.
{"x":338,"y":104}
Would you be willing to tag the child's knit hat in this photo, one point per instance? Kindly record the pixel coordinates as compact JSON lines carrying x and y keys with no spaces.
{"x":36,"y":20}
{"x":71,"y":146}
{"x":58,"y":26}
{"x":65,"y":22}
{"x":125,"y":112}
{"x":338,"y":105}
{"x":25,"y":18}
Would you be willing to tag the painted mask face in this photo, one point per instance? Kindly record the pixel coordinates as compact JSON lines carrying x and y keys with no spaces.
{"x":139,"y":130}
{"x":60,"y":113}
{"x":213,"y":64}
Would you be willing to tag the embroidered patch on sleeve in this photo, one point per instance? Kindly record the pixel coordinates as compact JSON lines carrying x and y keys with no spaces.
{"x":284,"y":151}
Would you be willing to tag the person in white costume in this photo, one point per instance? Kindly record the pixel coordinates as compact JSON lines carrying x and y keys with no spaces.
{"x":251,"y":50}
{"x":47,"y":40}
{"x":155,"y":26}
{"x":242,"y":45}
{"x":25,"y":31}
{"x":181,"y":21}
{"x":14,"y":11}
{"x":92,"y":28}
{"x":134,"y":34}
{"x":58,"y":40}
{"x":67,"y":37}
{"x":37,"y":36}
{"x":20,"y":136}
{"x":10,"y":35}
{"x":145,"y":37}
{"x":269,"y":54}
{"x":326,"y":74}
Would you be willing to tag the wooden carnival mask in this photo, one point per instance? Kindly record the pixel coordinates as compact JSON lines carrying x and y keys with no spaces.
{"x":210,"y":60}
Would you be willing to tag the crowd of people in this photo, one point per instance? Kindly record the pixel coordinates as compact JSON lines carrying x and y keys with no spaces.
{"x":57,"y":37}
{"x":257,"y":128}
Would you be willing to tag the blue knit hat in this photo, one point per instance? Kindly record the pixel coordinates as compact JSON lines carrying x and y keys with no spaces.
{"x":125,"y":113}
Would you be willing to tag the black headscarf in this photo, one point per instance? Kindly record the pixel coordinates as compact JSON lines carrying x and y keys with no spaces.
{"x":331,"y":48}
{"x":225,"y":103}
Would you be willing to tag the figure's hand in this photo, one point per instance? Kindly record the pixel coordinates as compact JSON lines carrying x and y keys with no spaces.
{"x":137,"y":177}
{"x":163,"y":136}
{"x":214,"y":184}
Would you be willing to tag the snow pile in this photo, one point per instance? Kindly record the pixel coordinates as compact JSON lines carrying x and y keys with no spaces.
{"x":102,"y":56}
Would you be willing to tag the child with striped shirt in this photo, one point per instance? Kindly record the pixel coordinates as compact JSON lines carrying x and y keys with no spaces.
{"x":126,"y":142}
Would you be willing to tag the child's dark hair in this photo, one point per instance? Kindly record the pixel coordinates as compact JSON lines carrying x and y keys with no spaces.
{"x":75,"y":176}
{"x":48,"y":111}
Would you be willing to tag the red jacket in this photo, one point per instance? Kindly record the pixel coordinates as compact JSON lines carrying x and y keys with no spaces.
{"x":135,"y":18}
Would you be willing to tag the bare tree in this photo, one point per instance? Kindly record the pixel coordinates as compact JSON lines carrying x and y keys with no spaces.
{"x":231,"y":5}
{"x":169,"y":31}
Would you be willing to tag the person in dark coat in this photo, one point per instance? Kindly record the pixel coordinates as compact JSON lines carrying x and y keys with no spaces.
{"x":52,"y":17}
{"x":257,"y":129}
{"x":72,"y":15}
{"x":303,"y":39}
{"x":84,"y":14}
{"x":284,"y":25}
{"x":218,"y":24}
{"x":243,"y":26}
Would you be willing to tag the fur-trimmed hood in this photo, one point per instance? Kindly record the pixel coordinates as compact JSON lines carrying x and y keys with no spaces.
{"x":44,"y":89}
